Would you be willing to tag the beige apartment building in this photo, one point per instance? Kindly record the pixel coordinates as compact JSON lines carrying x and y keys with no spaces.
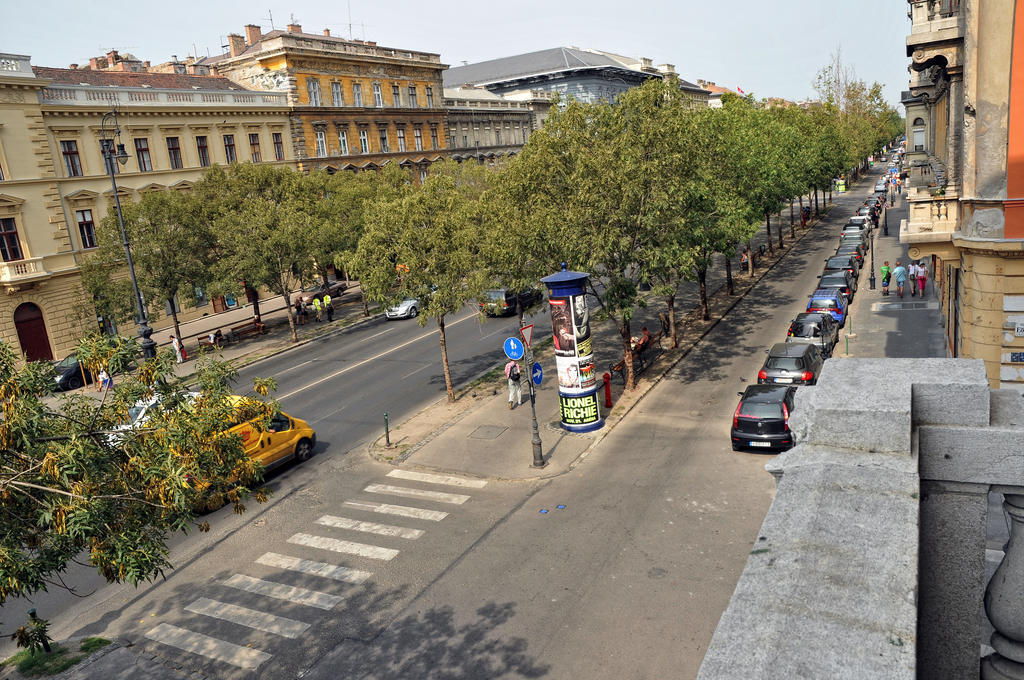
{"x":965,"y":158}
{"x":54,"y":187}
{"x":486,"y":126}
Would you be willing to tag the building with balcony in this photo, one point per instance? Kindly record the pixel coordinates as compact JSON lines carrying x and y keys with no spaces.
{"x":965,"y":165}
{"x":587,"y":75}
{"x":54,"y":187}
{"x":354,"y":104}
{"x":487,"y":126}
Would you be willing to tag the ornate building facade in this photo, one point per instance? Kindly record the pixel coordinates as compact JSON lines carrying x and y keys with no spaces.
{"x":486,"y":126}
{"x":54,"y":187}
{"x":965,"y":159}
{"x":354,"y":104}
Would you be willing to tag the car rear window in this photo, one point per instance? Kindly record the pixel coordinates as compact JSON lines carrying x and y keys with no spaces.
{"x":838,"y":262}
{"x":760,"y":409}
{"x":784,"y":363}
{"x":495,"y":295}
{"x":824,"y":303}
{"x":805,"y":330}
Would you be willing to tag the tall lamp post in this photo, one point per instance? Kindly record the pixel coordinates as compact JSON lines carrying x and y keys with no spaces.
{"x":114,"y":153}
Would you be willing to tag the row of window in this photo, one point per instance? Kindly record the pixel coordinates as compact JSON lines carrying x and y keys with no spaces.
{"x":383,"y":145}
{"x":144,"y":159}
{"x":497,"y":138}
{"x":338,"y":94}
{"x":10,"y":246}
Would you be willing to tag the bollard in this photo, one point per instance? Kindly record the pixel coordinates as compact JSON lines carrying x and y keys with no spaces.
{"x":607,"y":390}
{"x":847,"y":345}
{"x":387,"y":431}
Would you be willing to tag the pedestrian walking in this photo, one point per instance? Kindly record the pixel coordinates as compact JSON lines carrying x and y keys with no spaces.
{"x":329,"y":307}
{"x":105,"y":382}
{"x":922,"y":277}
{"x":300,"y":311}
{"x":886,"y":272}
{"x":912,"y":277}
{"x":318,"y":310}
{"x":176,"y":344}
{"x":899,"y":275}
{"x":515,"y":387}
{"x":899,"y":186}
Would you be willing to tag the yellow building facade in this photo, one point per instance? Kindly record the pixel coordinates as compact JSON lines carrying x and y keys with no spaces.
{"x":354,"y":104}
{"x":54,"y":187}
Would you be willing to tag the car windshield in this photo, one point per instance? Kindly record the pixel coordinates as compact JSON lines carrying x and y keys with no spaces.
{"x":134,"y":412}
{"x":760,"y":410}
{"x":495,"y":295}
{"x":805,"y":330}
{"x":68,"y":361}
{"x":783,"y":363}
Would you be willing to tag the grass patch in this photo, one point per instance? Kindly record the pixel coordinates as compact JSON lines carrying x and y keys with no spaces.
{"x":60,"y":659}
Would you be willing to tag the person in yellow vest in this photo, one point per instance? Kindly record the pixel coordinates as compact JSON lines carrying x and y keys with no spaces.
{"x":318,"y":310}
{"x":329,"y":307}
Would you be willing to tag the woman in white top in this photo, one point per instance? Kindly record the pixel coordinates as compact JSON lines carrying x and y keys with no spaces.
{"x":922,"y":277}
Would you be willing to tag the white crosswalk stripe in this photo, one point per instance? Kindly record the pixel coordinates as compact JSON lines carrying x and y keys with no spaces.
{"x":437,"y":496}
{"x":369,"y":527}
{"x":207,"y":646}
{"x":330,"y":571}
{"x":281,"y":591}
{"x":348,"y":547}
{"x":399,"y":510}
{"x":430,"y":478}
{"x":250,"y":618}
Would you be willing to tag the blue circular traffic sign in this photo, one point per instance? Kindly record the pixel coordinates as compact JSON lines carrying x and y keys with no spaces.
{"x":537,"y":374}
{"x":514,"y":348}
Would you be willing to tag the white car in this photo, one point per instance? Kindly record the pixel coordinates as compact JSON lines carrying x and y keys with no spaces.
{"x":409,"y":308}
{"x":140,"y":412}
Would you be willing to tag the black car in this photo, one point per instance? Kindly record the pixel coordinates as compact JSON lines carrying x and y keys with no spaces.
{"x":858,"y":238}
{"x":71,"y":374}
{"x":854,"y":249}
{"x":761,"y":419}
{"x":814,"y":328}
{"x":842,"y":262}
{"x":791,"y":364}
{"x":502,"y":301}
{"x":840,"y":280}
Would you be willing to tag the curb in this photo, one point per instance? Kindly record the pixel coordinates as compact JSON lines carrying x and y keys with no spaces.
{"x":610,"y":424}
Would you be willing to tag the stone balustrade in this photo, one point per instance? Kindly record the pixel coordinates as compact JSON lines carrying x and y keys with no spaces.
{"x":870,"y":561}
{"x":22,"y":269}
{"x":88,"y":95}
{"x":928,"y":213}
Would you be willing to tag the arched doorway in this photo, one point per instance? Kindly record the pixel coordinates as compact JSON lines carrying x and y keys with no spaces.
{"x":35,"y":343}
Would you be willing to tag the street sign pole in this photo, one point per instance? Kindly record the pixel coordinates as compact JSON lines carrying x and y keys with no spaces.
{"x":538,"y":450}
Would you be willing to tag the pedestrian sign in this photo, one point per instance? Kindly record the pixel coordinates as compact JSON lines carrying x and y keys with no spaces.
{"x":537,"y":374}
{"x":514,"y":348}
{"x":527,"y":333}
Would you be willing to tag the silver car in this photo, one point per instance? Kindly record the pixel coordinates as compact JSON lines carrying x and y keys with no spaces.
{"x":408,"y":308}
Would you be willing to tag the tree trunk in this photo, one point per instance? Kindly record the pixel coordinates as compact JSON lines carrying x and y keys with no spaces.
{"x":174,"y":317}
{"x":817,"y":208}
{"x":444,"y":360}
{"x":802,"y":222}
{"x":792,"y":220}
{"x":728,"y":275}
{"x":519,"y":311}
{"x":829,"y":197}
{"x":366,"y":307}
{"x":750,"y":259}
{"x":256,"y":301}
{"x":671,"y":302}
{"x":289,"y":310}
{"x":779,"y":223}
{"x":768,"y":228}
{"x":702,"y":278}
{"x":627,"y":355}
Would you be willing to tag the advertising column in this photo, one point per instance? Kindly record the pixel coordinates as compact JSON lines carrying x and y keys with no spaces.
{"x":578,"y":392}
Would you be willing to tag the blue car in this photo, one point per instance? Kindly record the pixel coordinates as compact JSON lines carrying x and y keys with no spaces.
{"x":831,"y":301}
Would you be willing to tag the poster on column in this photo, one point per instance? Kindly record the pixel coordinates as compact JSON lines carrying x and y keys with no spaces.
{"x":574,"y":354}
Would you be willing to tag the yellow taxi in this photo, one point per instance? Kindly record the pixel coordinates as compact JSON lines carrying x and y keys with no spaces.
{"x":285,"y":438}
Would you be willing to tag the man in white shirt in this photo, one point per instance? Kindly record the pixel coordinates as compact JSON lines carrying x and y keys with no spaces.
{"x":912,"y":273}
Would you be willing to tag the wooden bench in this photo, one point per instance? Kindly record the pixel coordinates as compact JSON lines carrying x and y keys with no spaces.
{"x":204,"y":341}
{"x":642,"y":358}
{"x":246,"y":329}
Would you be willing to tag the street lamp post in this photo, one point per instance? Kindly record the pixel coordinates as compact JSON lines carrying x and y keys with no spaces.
{"x":115,"y":153}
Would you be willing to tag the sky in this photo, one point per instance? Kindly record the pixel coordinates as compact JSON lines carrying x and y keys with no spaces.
{"x":770,"y":49}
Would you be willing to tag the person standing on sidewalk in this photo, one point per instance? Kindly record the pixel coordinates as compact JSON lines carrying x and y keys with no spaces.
{"x":176,"y":344}
{"x":899,"y":275}
{"x":318,"y":310}
{"x":886,"y":272}
{"x":922,"y":277}
{"x":300,"y":310}
{"x":515,"y":387}
{"x":912,"y":275}
{"x":329,"y":307}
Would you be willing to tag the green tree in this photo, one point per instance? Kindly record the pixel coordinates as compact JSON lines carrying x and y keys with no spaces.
{"x":71,"y":484}
{"x":427,"y":239}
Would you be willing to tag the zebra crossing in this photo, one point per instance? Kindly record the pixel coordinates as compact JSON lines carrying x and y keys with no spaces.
{"x":320,"y":573}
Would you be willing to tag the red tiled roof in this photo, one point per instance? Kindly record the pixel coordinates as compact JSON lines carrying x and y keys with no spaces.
{"x":172,"y":81}
{"x":717,"y":89}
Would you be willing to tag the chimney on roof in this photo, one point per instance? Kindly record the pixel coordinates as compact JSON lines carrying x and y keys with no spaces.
{"x":112,"y":57}
{"x":145,"y":65}
{"x":667,"y":69}
{"x":371,"y":43}
{"x":236,"y":44}
{"x":294,"y":28}
{"x":327,"y":32}
{"x":73,"y":66}
{"x":253,"y":34}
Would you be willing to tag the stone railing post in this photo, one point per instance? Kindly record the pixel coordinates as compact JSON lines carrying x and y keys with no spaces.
{"x":1004,"y":601}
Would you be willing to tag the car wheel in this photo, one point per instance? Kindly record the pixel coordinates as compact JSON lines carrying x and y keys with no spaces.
{"x":74,"y":382}
{"x":413,"y":313}
{"x":303,"y":450}
{"x":736,"y":447}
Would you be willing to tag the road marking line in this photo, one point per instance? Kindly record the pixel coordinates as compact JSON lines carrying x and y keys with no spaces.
{"x":250,"y":618}
{"x":360,"y":549}
{"x":281,"y":591}
{"x":368,"y":360}
{"x":386,"y":330}
{"x":207,"y":646}
{"x":330,"y":571}
{"x":438,"y":479}
{"x":416,"y":371}
{"x":369,"y":527}
{"x":295,"y":366}
{"x":400,"y":510}
{"x":440,"y":497}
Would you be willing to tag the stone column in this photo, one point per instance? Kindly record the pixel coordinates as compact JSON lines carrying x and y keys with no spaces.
{"x":1004,"y":601}
{"x":955,"y":130}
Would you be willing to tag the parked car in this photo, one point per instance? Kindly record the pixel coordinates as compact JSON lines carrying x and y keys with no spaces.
{"x":814,"y":328}
{"x":880,"y":187}
{"x":502,"y":301}
{"x":853,"y":249}
{"x":856,"y":229}
{"x":791,"y":364}
{"x":761,"y":419}
{"x":316,"y":291}
{"x":859,"y":220}
{"x":408,"y":308}
{"x":71,"y":374}
{"x":866,"y":211}
{"x":841,"y":263}
{"x":856,"y":238}
{"x":829,"y":301}
{"x":843,"y":281}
